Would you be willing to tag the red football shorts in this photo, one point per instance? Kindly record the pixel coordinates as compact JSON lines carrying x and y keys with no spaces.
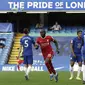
{"x":49,"y":55}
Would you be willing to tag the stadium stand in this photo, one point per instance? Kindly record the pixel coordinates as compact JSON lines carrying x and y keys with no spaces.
{"x":6,"y":50}
{"x":15,"y":51}
{"x":7,"y":34}
{"x":6,"y":27}
{"x":66,"y":31}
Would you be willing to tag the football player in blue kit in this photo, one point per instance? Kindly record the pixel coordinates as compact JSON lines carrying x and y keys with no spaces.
{"x":83,"y":52}
{"x":26,"y":43}
{"x":76,"y":55}
{"x":83,"y":36}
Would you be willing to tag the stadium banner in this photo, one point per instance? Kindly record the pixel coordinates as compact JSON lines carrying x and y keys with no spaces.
{"x":60,"y":61}
{"x":29,"y":5}
{"x":8,"y":67}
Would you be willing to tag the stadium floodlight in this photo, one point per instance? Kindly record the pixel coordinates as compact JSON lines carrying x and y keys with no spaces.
{"x":75,"y":11}
{"x":36,"y":12}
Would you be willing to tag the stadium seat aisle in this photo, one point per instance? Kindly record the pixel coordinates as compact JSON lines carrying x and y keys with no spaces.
{"x":15,"y":51}
{"x":8,"y":43}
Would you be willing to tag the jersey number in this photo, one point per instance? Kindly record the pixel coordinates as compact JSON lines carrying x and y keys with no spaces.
{"x":26,"y":43}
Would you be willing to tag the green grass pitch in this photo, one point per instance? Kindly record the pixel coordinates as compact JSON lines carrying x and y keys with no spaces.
{"x":36,"y":78}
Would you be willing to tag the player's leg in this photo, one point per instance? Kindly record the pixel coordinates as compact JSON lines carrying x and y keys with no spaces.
{"x":26,"y":67}
{"x":53,"y":70}
{"x":18,"y":64}
{"x":79,"y":60}
{"x":30,"y":62}
{"x":84,"y":69}
{"x":48,"y":65}
{"x":50,"y":56}
{"x":84,"y":58}
{"x":49,"y":68}
{"x":84,"y":74}
{"x":72,"y":61}
{"x":29,"y":69}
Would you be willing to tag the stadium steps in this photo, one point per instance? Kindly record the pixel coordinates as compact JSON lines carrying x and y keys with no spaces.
{"x":13,"y":58}
{"x":12,"y":62}
{"x":15,"y":50}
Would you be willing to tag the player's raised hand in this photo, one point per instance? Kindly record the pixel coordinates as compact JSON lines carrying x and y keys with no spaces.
{"x":36,"y":46}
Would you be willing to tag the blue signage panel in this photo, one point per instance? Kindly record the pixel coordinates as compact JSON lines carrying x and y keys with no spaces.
{"x":60,"y":61}
{"x":20,"y":5}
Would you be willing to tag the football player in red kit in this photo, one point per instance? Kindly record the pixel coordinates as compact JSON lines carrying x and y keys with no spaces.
{"x":44,"y":42}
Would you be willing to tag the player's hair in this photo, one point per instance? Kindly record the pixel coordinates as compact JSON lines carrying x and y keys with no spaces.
{"x":42,"y":30}
{"x":25,"y":31}
{"x":79,"y":31}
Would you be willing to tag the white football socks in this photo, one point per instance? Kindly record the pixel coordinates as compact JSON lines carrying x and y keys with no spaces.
{"x":28,"y":70}
{"x":25,"y":69}
{"x":79,"y":71}
{"x":84,"y":73}
{"x":71,"y":71}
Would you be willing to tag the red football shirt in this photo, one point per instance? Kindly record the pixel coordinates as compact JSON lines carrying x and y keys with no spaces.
{"x":45,"y":45}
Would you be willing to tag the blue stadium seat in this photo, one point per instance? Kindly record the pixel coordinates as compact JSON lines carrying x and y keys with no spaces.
{"x":6,"y":27}
{"x":5,"y":52}
{"x":62,"y":31}
{"x":68,"y":29}
{"x":6,"y":31}
{"x":74,"y":29}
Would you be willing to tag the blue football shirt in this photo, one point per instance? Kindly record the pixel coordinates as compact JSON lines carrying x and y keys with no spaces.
{"x":27,"y":41}
{"x":77,"y":45}
{"x":83,"y":36}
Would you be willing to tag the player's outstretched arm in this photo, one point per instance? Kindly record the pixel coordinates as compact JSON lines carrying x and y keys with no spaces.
{"x":71,"y":47}
{"x":36,"y":46}
{"x":56,"y":44}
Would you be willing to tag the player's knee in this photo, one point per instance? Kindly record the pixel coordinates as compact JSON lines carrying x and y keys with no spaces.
{"x":30,"y":65}
{"x":72,"y":63}
{"x":80,"y":63}
{"x":47,"y":60}
{"x":26,"y":65}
